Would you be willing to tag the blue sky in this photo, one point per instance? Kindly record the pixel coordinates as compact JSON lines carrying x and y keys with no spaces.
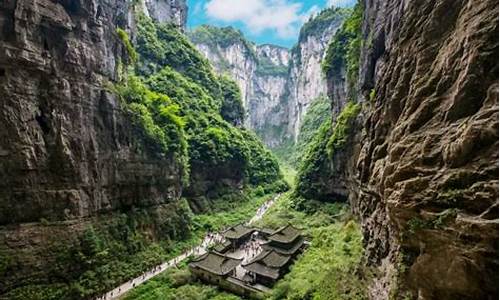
{"x":262,"y":21}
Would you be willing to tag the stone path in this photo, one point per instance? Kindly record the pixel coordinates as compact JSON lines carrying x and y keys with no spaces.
{"x":202,"y":249}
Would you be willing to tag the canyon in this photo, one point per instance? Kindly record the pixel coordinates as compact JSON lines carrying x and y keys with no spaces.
{"x":127,"y":136}
{"x":277,"y":84}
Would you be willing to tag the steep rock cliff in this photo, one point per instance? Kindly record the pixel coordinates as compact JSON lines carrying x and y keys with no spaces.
{"x":260,"y":71}
{"x":278,"y":85}
{"x":429,"y":163}
{"x":69,"y":148}
{"x":171,"y":11}
{"x":421,"y":168}
{"x":69,"y":151}
{"x":306,"y":81}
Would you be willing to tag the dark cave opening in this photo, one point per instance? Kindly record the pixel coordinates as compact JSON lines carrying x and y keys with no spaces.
{"x":43,"y":122}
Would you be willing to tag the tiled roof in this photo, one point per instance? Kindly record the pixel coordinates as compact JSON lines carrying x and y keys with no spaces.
{"x":271,"y":258}
{"x":237,"y":232}
{"x":215,"y":263}
{"x":266,"y":231}
{"x":263,"y":270}
{"x":287,"y":251}
{"x":285,"y":235}
{"x":221,"y":247}
{"x":268,"y":263}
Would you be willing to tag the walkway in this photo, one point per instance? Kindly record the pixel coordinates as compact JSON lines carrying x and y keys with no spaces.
{"x":202,"y":249}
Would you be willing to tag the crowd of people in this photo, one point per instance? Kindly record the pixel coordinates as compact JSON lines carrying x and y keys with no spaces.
{"x":251,"y":249}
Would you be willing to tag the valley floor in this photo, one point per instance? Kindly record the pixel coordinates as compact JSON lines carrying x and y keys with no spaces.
{"x":201,"y":249}
{"x":328,"y":270}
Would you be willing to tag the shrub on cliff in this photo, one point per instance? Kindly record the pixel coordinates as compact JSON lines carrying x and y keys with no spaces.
{"x":344,"y":49}
{"x":213,"y":36}
{"x":210,"y":106}
{"x":232,"y":109}
{"x":317,"y":113}
{"x":342,"y":128}
{"x":315,"y":171}
{"x":213,"y":142}
{"x":157,"y":119}
{"x":163,"y":44}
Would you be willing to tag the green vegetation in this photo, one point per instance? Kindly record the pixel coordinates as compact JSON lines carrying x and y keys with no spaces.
{"x":122,"y":34}
{"x":373,"y":94}
{"x":112,"y":250}
{"x":177,"y":284}
{"x":209,"y":106}
{"x":317,"y":113}
{"x":214,"y":143}
{"x":344,"y":50}
{"x":223,"y":213}
{"x":221,"y":36}
{"x":436,"y":222}
{"x":314,"y":170}
{"x":161,"y":45}
{"x":316,"y":25}
{"x":157,"y":119}
{"x":266,"y":67}
{"x":232,"y":109}
{"x":342,"y":127}
{"x":329,"y":269}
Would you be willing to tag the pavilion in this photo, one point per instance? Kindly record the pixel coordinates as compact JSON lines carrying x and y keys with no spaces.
{"x":238,"y":235}
{"x":214,"y":267}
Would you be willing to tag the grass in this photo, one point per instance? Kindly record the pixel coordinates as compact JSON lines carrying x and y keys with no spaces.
{"x":289,"y":174}
{"x":329,"y":269}
{"x":176,"y":284}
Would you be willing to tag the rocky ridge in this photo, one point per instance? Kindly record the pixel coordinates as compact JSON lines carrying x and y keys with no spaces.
{"x":421,"y":163}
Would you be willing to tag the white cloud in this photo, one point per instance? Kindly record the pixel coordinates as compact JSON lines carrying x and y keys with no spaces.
{"x":341,"y":3}
{"x":282,"y":16}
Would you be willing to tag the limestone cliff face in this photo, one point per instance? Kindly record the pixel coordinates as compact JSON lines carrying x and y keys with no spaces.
{"x":235,"y":59}
{"x":261,"y":74}
{"x":277,"y":84}
{"x":424,"y":178}
{"x":68,"y":151}
{"x":172,"y":11}
{"x":306,"y":81}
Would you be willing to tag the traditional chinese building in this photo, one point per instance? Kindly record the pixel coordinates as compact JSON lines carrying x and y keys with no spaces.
{"x":223,"y":247}
{"x":272,"y":263}
{"x":213,"y":267}
{"x":287,"y":240}
{"x":238,"y":235}
{"x":267,"y":267}
{"x":223,"y":266}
